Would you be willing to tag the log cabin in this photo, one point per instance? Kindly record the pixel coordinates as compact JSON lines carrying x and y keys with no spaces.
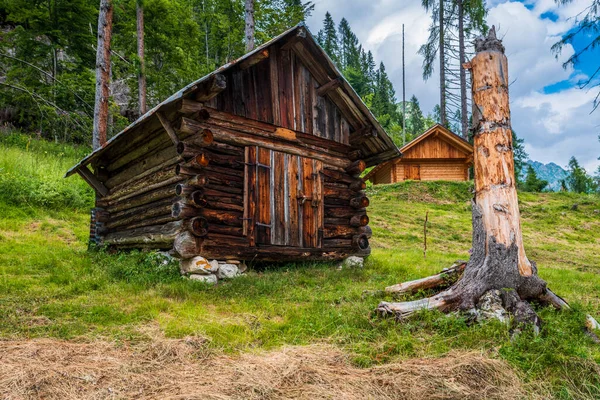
{"x":259,"y":160}
{"x":437,"y":154}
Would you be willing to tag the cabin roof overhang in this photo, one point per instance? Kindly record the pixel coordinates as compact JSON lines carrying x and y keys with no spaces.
{"x":368,"y":135}
{"x":436,"y":130}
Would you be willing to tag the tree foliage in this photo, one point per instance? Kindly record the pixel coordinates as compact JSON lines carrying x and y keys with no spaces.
{"x":532,"y":182}
{"x":520,"y":155}
{"x":578,"y":180}
{"x":47,"y":55}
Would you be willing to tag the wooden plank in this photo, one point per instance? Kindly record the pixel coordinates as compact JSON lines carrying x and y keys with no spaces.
{"x":318,"y":202}
{"x":167,"y":127}
{"x":252,"y":94}
{"x":263,"y":178}
{"x":274,"y":85}
{"x":293,"y":213}
{"x":255,"y":59}
{"x":298,"y":95}
{"x":307,"y":85}
{"x":331,"y":85}
{"x":285,"y":92}
{"x":238,"y":91}
{"x":309,"y":238}
{"x":91,"y":180}
{"x":236,"y":138}
{"x":280,"y":229}
{"x":250,"y":193}
{"x":212,"y":87}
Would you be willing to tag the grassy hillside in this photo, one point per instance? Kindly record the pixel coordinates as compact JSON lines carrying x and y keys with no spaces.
{"x":52,"y":287}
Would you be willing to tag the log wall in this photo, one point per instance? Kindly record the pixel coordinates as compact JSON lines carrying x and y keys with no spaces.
{"x":203,"y":195}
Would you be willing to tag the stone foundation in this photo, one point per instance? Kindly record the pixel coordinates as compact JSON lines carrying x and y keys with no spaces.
{"x":200,"y":269}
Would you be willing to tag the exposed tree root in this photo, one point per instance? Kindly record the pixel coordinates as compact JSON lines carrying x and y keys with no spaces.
{"x":499,"y":276}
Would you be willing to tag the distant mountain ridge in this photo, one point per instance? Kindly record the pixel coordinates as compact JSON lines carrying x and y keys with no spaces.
{"x":550,"y":172}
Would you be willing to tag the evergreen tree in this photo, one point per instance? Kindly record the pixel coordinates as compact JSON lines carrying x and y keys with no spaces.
{"x":532,"y":182}
{"x":520,"y":156}
{"x":328,"y":38}
{"x":384,"y":101}
{"x":415,"y":122}
{"x":578,"y":180}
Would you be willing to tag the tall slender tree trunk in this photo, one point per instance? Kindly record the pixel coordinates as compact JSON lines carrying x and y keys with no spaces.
{"x":140,"y":53}
{"x":443,"y":119}
{"x":403,"y":93}
{"x":102,"y":74}
{"x":464,"y":117}
{"x":249,"y":25}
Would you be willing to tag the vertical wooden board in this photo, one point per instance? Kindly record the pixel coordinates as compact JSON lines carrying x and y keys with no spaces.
{"x":298,"y":94}
{"x":285,"y":92}
{"x":309,"y":238}
{"x":279,"y":230}
{"x":250,"y":193}
{"x":262,"y":87}
{"x":308,"y":89}
{"x":263,"y":172}
{"x":250,"y":102}
{"x":274,"y":84}
{"x":331,"y":111}
{"x":293,"y":213}
{"x":315,"y":107}
{"x":300,"y":190}
{"x":345,"y":131}
{"x":238,"y":94}
{"x":337,"y":125}
{"x":318,"y":205}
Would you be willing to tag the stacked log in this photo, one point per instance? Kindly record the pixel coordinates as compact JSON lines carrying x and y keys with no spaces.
{"x":346,"y":221}
{"x":210,"y":197}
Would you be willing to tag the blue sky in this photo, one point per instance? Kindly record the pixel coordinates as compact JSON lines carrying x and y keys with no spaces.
{"x":547,"y":108}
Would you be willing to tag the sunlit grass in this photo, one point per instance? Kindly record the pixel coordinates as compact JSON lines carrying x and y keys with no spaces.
{"x":51,"y":286}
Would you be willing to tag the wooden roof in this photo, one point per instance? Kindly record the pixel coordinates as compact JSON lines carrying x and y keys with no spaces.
{"x":367,"y":134}
{"x":437,"y":131}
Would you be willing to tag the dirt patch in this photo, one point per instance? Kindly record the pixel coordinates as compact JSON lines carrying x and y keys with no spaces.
{"x":183,"y":369}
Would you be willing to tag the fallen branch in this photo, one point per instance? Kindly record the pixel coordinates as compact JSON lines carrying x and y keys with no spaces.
{"x":445,"y":277}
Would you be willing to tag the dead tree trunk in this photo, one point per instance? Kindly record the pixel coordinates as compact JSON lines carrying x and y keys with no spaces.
{"x":102,"y":74}
{"x":464,"y":117}
{"x":443,"y":119}
{"x":249,"y":25}
{"x":499,"y":261}
{"x":140,"y":53}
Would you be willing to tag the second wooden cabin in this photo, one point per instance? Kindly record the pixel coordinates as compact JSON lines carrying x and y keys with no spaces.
{"x":259,"y":160}
{"x":437,"y":154}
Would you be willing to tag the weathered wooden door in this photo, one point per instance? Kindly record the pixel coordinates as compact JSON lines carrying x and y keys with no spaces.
{"x":283,"y":199}
{"x":412,"y":171}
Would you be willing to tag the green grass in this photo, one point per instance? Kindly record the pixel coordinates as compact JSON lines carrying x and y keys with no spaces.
{"x":51,"y":286}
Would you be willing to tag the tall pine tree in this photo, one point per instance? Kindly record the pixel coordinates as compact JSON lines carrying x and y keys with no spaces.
{"x":327,"y":38}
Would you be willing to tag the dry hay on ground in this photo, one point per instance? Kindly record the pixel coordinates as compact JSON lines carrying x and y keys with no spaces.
{"x":182,"y":369}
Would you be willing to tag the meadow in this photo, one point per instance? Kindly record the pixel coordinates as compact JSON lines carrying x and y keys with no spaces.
{"x":52,"y":287}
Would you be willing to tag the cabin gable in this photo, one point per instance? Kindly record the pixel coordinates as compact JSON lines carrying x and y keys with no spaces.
{"x":437,"y":154}
{"x":434,"y":147}
{"x":280,"y":90}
